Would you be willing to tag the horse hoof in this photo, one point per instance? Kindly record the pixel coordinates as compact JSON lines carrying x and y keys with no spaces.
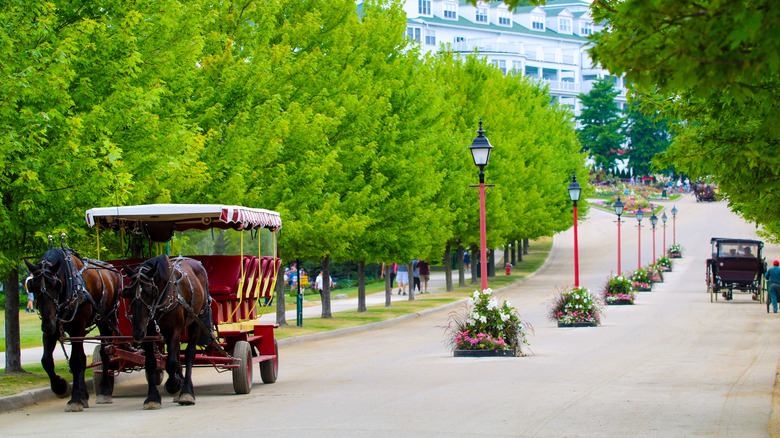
{"x":186,"y":400}
{"x":64,"y":388}
{"x":104,"y":399}
{"x":74,"y":407}
{"x":150,"y":406}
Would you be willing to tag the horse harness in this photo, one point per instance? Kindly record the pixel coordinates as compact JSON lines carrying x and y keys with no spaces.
{"x":170,"y":297}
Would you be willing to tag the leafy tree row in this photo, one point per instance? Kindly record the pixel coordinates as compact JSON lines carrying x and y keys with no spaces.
{"x":302,"y":106}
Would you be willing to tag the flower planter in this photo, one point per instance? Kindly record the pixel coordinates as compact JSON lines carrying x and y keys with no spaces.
{"x":675,"y":256}
{"x":619,"y":302}
{"x":578,"y":324}
{"x":666,"y":268}
{"x":485,"y":353}
{"x":644,"y":289}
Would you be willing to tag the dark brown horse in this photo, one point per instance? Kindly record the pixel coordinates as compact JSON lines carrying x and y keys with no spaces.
{"x":167,"y":296}
{"x":72,"y":296}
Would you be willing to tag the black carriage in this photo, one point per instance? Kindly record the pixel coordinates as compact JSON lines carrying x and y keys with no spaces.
{"x":704,"y":193}
{"x":735,"y":265}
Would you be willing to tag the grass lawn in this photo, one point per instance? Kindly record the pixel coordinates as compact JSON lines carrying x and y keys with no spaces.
{"x":538,"y":252}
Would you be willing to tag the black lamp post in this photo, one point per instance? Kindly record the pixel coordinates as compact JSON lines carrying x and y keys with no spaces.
{"x":574,"y":193}
{"x":653,"y":222}
{"x":619,"y":212}
{"x":674,"y":225}
{"x":480,"y":150}
{"x":639,"y":216}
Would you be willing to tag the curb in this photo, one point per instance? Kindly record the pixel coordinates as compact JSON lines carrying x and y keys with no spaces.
{"x":33,"y":396}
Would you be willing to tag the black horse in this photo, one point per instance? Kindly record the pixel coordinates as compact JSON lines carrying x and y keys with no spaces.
{"x":169,"y":295}
{"x":72,"y":295}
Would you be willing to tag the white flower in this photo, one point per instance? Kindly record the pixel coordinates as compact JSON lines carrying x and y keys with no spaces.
{"x":505,"y":317}
{"x":483,"y":319}
{"x":470,"y":301}
{"x":492,"y":304}
{"x":487,"y":291}
{"x":475,"y":315}
{"x":508,"y":304}
{"x":469,"y":321}
{"x":475,"y":295}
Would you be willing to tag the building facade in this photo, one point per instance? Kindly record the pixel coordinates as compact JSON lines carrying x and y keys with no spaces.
{"x":548,"y":43}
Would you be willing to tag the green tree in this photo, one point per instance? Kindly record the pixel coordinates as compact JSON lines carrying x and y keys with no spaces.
{"x":647,"y":136}
{"x":601,"y":124}
{"x":715,"y":65}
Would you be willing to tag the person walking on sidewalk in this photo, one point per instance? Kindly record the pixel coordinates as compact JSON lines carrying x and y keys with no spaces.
{"x":416,"y":275}
{"x":394,"y":269}
{"x":425,"y":275}
{"x":402,"y":278}
{"x":30,"y":296}
{"x":773,"y":275}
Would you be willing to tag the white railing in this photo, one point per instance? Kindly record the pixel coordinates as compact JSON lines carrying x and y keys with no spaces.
{"x":489,"y":46}
{"x":562,"y":85}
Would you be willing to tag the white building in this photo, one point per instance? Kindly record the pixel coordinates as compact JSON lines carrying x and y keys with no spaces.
{"x":544,"y":42}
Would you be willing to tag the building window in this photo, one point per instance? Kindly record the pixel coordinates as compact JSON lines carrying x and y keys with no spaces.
{"x":424,"y":7}
{"x":564,"y":25}
{"x":414,"y":34}
{"x":537,"y":22}
{"x":460,"y":39}
{"x":430,"y":37}
{"x":586,"y":28}
{"x":451,"y":11}
{"x":504,"y":18}
{"x":500,"y":64}
{"x":482,"y":15}
{"x":517,"y":67}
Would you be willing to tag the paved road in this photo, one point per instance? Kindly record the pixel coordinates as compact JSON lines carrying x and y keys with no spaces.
{"x":672,"y":365}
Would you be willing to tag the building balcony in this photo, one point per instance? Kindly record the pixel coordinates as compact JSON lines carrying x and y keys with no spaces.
{"x":489,"y":46}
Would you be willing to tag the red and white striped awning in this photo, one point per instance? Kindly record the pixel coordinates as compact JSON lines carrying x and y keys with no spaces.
{"x":185,"y":216}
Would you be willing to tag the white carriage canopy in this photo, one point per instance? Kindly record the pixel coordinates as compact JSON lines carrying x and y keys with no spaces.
{"x":166,"y":218}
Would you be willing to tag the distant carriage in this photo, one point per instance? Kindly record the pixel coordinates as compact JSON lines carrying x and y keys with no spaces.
{"x":735,"y":265}
{"x":704,"y":193}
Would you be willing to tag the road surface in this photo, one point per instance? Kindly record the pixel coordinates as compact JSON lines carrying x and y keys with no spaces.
{"x":674,"y":364}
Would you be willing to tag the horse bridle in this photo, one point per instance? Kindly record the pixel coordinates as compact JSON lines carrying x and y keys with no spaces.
{"x":142,"y":279}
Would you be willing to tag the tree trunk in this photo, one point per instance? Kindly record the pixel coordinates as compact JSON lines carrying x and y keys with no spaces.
{"x":13,"y":352}
{"x":520,"y":251}
{"x":388,"y":285}
{"x":325,"y":265}
{"x":474,"y":259}
{"x":525,"y":246}
{"x":281,"y":318}
{"x":448,"y":267}
{"x":461,"y":268}
{"x":361,"y":272}
{"x":410,"y":269}
{"x":491,"y":254}
{"x":514,"y":252}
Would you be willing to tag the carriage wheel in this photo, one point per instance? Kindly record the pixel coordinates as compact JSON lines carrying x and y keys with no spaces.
{"x":96,"y":376}
{"x":242,"y":376}
{"x":269,"y":369}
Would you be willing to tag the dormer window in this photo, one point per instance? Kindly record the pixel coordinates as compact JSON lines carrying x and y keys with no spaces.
{"x":564,"y":25}
{"x":482,"y":15}
{"x":424,"y":7}
{"x":451,"y":11}
{"x":504,"y":18}
{"x":586,"y":28}
{"x":537,"y":22}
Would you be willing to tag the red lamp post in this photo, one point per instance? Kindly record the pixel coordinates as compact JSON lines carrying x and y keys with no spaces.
{"x":574,"y":194}
{"x":664,"y":218}
{"x":653,"y":221}
{"x":674,"y":225}
{"x":619,"y":212}
{"x":639,"y":216}
{"x":480,"y":151}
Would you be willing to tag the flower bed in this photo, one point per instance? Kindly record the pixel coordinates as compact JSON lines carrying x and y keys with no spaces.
{"x":487,"y":326}
{"x":577,"y":305}
{"x":664,"y":263}
{"x":675,"y":252}
{"x":619,"y":290}
{"x":641,"y":280}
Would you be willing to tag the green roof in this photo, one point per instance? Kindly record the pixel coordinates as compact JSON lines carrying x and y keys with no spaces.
{"x":567,"y":2}
{"x":515,"y":28}
{"x":524,"y":9}
{"x":556,"y":11}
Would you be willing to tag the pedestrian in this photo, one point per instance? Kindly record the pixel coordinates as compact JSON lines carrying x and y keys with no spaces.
{"x":773,"y":275}
{"x":30,"y":296}
{"x":425,"y":275}
{"x":416,"y":276}
{"x":402,"y":278}
{"x":466,"y":260}
{"x":318,"y":283}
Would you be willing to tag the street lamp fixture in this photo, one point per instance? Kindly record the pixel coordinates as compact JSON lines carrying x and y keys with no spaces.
{"x":639,"y":216}
{"x":574,"y":194}
{"x":619,"y":212}
{"x":674,"y":225}
{"x":480,"y":150}
{"x":653,"y":222}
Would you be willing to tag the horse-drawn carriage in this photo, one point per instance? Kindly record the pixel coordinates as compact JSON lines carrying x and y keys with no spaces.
{"x":704,"y":192}
{"x":736,"y":264}
{"x":209,"y":302}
